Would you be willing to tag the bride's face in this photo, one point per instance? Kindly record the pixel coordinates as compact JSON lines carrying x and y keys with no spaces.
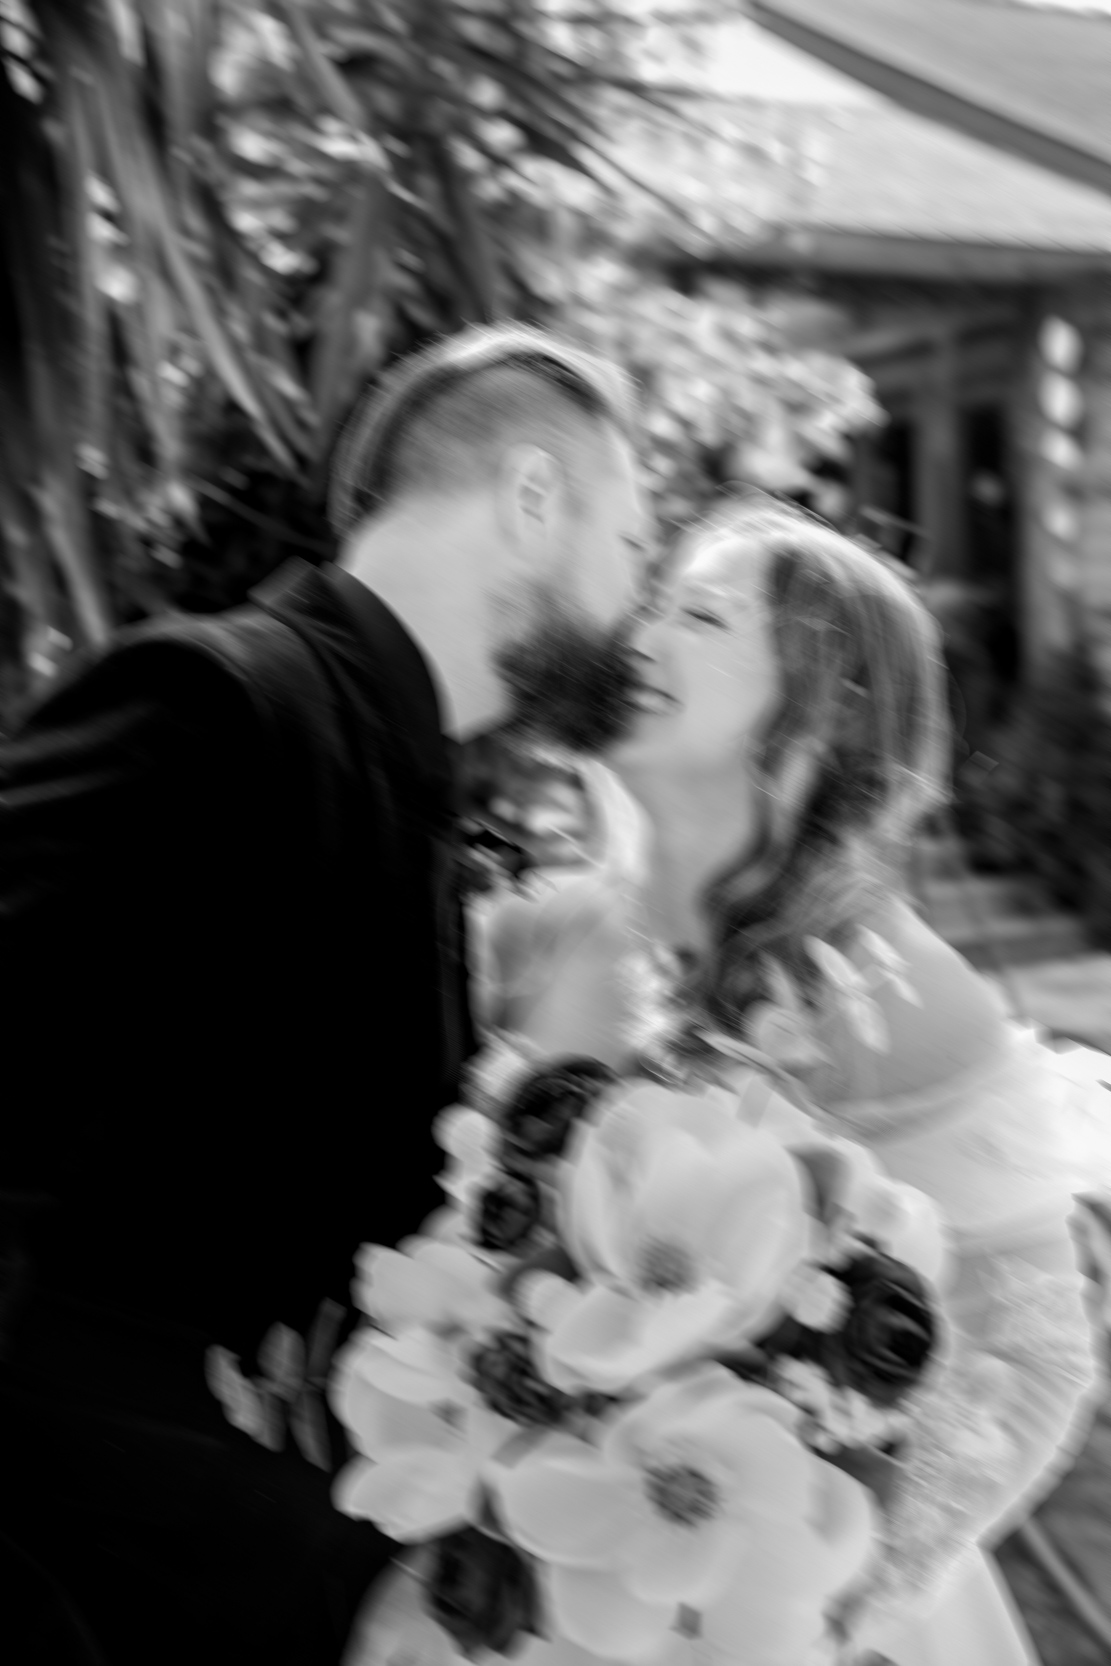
{"x":707,"y":664}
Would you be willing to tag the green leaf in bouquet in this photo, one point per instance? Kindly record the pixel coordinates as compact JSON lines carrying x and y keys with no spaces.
{"x":517,"y":1447}
{"x":242,"y":1403}
{"x":309,"y":1428}
{"x":488,"y":1518}
{"x":272,"y":1429}
{"x":830,"y":1173}
{"x":322,"y":1341}
{"x":281,"y":1358}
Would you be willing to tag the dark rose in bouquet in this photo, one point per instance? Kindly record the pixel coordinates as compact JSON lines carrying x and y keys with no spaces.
{"x":508,"y":1211}
{"x":884,"y":1342}
{"x":483,"y":1593}
{"x":538,"y":1120}
{"x":504,"y":1373}
{"x":889,"y":1332}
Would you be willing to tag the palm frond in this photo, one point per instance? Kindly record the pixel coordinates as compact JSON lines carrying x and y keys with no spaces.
{"x":233,"y":212}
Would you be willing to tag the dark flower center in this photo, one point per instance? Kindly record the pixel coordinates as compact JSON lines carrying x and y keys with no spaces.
{"x":665,"y":1267}
{"x":682,"y":1494}
{"x":901,"y":1335}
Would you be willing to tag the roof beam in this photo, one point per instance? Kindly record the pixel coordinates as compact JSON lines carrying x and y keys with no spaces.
{"x":826,"y":249}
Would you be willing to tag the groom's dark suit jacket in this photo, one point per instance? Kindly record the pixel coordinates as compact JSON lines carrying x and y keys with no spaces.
{"x":232,"y":998}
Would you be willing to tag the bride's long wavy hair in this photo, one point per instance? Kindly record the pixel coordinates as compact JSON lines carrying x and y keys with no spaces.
{"x":853,"y":758}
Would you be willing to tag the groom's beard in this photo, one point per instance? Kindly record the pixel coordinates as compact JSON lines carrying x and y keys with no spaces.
{"x":570,"y":683}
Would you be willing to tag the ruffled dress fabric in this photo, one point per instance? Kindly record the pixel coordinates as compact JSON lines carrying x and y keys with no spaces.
{"x":1002,"y":1149}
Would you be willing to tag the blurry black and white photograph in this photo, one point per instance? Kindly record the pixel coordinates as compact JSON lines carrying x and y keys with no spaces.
{"x":555,"y":832}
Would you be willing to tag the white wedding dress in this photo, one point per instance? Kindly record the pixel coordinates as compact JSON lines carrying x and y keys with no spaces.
{"x":1002,"y":1149}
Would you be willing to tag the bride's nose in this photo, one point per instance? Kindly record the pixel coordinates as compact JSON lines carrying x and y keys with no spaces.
{"x":645,"y":640}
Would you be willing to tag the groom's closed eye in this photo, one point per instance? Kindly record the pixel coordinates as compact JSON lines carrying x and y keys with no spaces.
{"x":704,"y":617}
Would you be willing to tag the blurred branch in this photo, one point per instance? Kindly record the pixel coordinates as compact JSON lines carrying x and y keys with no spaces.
{"x":263,"y":522}
{"x":335,"y":94}
{"x":228,"y":215}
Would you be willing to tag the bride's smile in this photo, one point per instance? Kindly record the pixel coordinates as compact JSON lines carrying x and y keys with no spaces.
{"x":710,"y":686}
{"x":708,"y":671}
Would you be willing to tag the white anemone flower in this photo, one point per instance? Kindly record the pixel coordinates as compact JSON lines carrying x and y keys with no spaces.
{"x":673,"y":1506}
{"x":792,"y":1575}
{"x":423,"y":1447}
{"x":687,"y":1224}
{"x":401,"y":1391}
{"x":441,"y":1286}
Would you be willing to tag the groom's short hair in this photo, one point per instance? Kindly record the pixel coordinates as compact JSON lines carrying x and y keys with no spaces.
{"x":442,"y":419}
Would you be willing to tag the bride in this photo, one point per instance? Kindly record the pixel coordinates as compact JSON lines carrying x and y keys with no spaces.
{"x":788,"y":742}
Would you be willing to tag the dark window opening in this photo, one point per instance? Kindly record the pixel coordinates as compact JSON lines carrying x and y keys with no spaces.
{"x":888,"y":515}
{"x":991,"y":568}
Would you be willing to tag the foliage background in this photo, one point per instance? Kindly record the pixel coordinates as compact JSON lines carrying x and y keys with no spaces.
{"x":226,"y":216}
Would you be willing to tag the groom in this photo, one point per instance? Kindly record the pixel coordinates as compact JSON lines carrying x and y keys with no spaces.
{"x":232,"y":992}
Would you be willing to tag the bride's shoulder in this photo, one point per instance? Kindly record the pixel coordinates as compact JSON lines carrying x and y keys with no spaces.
{"x":939,"y":1017}
{"x":522,"y":924}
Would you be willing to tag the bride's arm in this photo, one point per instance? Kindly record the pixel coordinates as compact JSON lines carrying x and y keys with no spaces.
{"x":997,"y":1423}
{"x":996,"y":1427}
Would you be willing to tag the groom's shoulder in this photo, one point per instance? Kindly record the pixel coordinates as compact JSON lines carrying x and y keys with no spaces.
{"x":244,"y":664}
{"x":247,"y":645}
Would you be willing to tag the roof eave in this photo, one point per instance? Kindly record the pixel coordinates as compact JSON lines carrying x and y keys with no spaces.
{"x":816,"y":249}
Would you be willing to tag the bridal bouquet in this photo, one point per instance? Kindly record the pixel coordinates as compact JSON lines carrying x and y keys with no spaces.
{"x":623,"y":1384}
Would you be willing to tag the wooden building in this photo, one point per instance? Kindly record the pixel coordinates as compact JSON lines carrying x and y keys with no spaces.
{"x":962,"y":225}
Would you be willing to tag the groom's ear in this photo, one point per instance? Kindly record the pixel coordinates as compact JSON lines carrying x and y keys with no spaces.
{"x":531,"y":502}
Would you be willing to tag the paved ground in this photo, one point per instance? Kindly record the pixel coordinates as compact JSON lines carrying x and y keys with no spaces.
{"x":1077,"y":1522}
{"x":1050,"y":975}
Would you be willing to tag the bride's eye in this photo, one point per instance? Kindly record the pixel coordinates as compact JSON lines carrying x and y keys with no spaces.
{"x":703,"y":618}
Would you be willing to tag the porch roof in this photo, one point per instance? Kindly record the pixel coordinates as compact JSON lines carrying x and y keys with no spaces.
{"x":895,"y":194}
{"x":1032,"y":82}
